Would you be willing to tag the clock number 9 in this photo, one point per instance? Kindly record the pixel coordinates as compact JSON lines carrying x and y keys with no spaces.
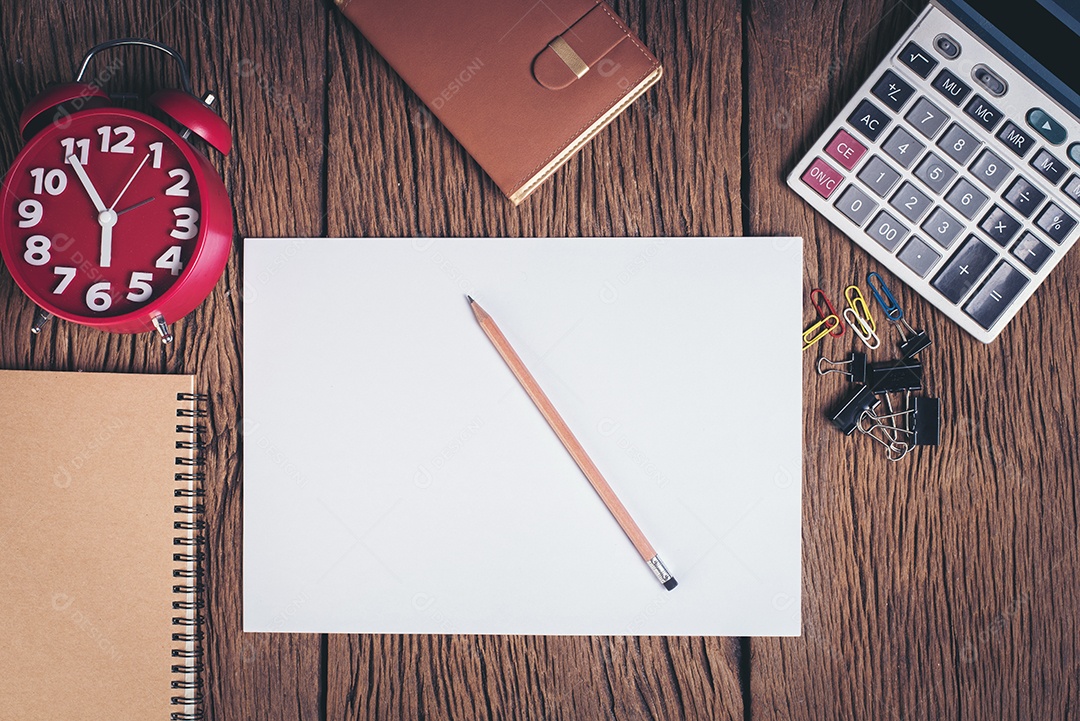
{"x":186,"y":223}
{"x":30,"y":210}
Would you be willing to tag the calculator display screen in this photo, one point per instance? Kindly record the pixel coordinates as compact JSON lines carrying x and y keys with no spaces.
{"x":1038,"y":37}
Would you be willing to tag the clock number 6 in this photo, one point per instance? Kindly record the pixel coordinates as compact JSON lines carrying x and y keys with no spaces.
{"x":186,"y":223}
{"x":98,"y":298}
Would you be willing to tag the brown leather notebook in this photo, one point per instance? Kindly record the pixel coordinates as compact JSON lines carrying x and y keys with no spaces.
{"x":523,"y":85}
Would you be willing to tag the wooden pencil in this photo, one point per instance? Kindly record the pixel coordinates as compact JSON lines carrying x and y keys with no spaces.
{"x":572,"y":445}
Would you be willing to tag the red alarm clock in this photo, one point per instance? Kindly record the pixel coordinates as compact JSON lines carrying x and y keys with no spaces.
{"x":110,"y":217}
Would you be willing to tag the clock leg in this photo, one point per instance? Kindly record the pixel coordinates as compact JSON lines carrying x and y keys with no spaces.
{"x":163,"y":329}
{"x":41,"y":317}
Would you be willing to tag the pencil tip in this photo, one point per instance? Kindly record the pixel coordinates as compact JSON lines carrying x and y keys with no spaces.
{"x":469,"y":298}
{"x":670,"y":583}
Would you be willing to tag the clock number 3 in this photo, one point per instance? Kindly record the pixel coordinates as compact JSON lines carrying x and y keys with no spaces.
{"x":187,"y":220}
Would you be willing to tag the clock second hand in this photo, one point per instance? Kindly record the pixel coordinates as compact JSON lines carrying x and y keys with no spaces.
{"x":130,"y":181}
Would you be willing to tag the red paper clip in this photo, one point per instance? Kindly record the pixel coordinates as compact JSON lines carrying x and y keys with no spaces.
{"x":825,"y":312}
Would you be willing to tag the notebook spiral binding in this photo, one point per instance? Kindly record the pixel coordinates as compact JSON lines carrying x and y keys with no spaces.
{"x":187,"y":637}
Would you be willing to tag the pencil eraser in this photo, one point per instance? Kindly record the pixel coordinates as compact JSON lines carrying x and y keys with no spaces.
{"x":670,"y":583}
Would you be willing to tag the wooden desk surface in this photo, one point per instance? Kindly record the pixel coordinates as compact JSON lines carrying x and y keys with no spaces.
{"x":944,"y":586}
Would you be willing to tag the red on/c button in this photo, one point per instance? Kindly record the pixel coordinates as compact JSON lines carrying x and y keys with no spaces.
{"x":845,"y":149}
{"x":822,"y":177}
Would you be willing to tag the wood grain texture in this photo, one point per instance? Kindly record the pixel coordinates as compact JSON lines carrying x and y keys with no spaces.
{"x":945,"y":586}
{"x":936,"y":587}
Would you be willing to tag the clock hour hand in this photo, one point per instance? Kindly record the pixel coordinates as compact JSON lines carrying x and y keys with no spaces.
{"x":80,"y":171}
{"x":140,"y":204}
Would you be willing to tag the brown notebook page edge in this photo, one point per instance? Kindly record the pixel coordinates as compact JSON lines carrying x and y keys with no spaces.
{"x":87,"y":464}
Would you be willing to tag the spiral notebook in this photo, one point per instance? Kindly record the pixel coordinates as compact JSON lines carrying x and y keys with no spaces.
{"x":100,"y":546}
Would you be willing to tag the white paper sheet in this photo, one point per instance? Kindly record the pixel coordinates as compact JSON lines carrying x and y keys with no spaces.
{"x":397,"y":479}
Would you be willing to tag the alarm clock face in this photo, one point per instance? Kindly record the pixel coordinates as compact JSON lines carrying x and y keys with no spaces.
{"x":101,"y":215}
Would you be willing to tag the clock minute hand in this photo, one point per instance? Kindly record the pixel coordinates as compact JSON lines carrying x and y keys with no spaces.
{"x":80,"y":171}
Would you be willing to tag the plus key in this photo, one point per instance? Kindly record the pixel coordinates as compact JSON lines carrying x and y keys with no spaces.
{"x":964,"y":268}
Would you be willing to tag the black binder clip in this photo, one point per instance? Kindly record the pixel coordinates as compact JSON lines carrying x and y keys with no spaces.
{"x":911,"y":341}
{"x":854,"y":367}
{"x":919,"y":424}
{"x":847,"y":414}
{"x":895,"y":376}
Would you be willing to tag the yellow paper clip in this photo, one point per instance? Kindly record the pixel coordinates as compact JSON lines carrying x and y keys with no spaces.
{"x":861,"y":328}
{"x":819,"y":330}
{"x":857,"y":303}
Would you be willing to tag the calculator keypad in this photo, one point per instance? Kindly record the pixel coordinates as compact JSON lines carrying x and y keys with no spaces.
{"x":968,"y":205}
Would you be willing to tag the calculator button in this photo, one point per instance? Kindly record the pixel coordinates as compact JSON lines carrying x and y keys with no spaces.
{"x":1023,"y":196}
{"x":892,"y":91}
{"x":1074,"y":153}
{"x":1015,"y":139}
{"x":1056,"y":223}
{"x":1072,"y":188}
{"x":952,"y":87}
{"x":958,"y":144}
{"x":942,"y":227}
{"x":869,"y":119}
{"x":920,"y":61}
{"x":926,"y":117}
{"x":965,"y":198}
{"x":1048,"y":166}
{"x":999,"y":291}
{"x":1000,"y":226}
{"x":878,"y":176}
{"x":935,"y":173}
{"x":1032,"y":252}
{"x":887,"y":230}
{"x":902,"y":147}
{"x":1046,"y":126}
{"x":964,"y":268}
{"x":983,"y":112}
{"x":911,"y":202}
{"x":918,"y":256}
{"x":822,"y":177}
{"x":990,"y":169}
{"x":947,"y":46}
{"x":845,"y":149}
{"x":856,"y":205}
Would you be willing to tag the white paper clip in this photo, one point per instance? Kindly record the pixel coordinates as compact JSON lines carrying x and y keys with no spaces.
{"x":861,"y":329}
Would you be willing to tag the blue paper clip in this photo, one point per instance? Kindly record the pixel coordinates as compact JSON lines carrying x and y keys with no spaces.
{"x":885,"y":298}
